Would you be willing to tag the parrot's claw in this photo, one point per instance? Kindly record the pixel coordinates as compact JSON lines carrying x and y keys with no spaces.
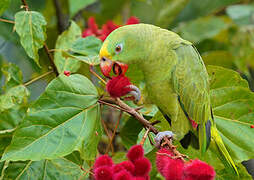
{"x":159,"y":137}
{"x":135,"y":92}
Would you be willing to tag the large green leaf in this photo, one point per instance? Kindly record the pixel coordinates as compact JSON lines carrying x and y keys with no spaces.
{"x":64,"y":118}
{"x":64,"y":43}
{"x":208,"y":27}
{"x":77,"y":5}
{"x":31,"y":27}
{"x":58,"y":169}
{"x":233,"y":107}
{"x":4,"y":4}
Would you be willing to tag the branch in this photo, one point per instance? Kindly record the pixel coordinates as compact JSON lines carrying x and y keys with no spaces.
{"x":7,"y":21}
{"x":51,"y":59}
{"x":124,"y":107}
{"x":61,"y":20}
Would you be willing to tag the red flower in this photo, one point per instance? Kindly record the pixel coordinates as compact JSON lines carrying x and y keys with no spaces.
{"x":103,"y":160}
{"x":251,"y":126}
{"x":103,"y":173}
{"x":142,"y":167}
{"x":107,"y":28}
{"x":122,"y":175}
{"x":135,"y":152}
{"x":171,"y":169}
{"x":132,"y":20}
{"x":198,"y":170}
{"x":116,"y":86}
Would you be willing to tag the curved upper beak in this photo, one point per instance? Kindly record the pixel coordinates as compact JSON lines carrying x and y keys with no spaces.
{"x":107,"y":65}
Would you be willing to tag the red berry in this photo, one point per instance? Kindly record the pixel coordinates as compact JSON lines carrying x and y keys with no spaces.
{"x":198,"y":170}
{"x":116,"y":86}
{"x":67,"y":73}
{"x":142,"y":167}
{"x":252,"y":126}
{"x":103,"y":173}
{"x":122,"y":175}
{"x":135,"y":152}
{"x":103,"y":160}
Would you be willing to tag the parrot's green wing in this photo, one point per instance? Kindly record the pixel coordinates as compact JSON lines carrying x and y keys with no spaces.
{"x":191,"y":83}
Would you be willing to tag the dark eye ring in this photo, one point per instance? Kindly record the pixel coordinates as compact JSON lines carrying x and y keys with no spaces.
{"x":118,"y":48}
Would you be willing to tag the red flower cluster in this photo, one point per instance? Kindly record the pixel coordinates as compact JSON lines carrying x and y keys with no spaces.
{"x":137,"y":167}
{"x":107,"y":28}
{"x":117,"y":86}
{"x":176,"y":169}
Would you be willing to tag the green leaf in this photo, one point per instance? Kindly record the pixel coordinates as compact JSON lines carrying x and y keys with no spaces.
{"x":61,"y":169}
{"x":197,"y":8}
{"x":129,"y":134}
{"x":241,"y":14}
{"x":31,"y":27}
{"x":13,"y":76}
{"x":77,"y":5}
{"x":91,"y":60}
{"x":87,"y":46}
{"x":64,"y":43}
{"x":62,"y":120}
{"x":219,"y":58}
{"x":208,"y":27}
{"x":4,"y":4}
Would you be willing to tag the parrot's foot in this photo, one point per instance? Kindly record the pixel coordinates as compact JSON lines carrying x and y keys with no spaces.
{"x":159,"y":137}
{"x":135,"y":92}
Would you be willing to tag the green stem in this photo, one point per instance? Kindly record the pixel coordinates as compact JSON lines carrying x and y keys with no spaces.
{"x":37,"y":78}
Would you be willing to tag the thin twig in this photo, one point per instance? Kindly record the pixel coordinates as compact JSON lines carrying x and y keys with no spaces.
{"x":109,"y":104}
{"x":37,"y":78}
{"x":144,"y":137}
{"x":107,"y":132}
{"x":8,"y":21}
{"x":25,"y":5}
{"x":94,"y":73}
{"x":51,"y":59}
{"x":114,"y":132}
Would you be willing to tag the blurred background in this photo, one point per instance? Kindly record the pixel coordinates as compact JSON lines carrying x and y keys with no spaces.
{"x":222,"y":30}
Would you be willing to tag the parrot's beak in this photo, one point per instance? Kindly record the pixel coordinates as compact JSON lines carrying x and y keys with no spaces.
{"x":107,"y":65}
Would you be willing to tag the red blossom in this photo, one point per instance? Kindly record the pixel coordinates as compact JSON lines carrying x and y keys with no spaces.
{"x":198,"y":170}
{"x":135,"y":152}
{"x":103,"y":160}
{"x":132,"y":20}
{"x":103,"y":173}
{"x":142,"y":167}
{"x":92,"y":29}
{"x":128,"y":165}
{"x":122,"y":175}
{"x":251,"y":126}
{"x":116,"y":86}
{"x":67,"y":73}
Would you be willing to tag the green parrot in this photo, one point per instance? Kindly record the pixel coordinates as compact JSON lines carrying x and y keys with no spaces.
{"x":175,"y":77}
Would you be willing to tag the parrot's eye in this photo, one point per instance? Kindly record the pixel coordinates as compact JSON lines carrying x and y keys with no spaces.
{"x":118,"y":48}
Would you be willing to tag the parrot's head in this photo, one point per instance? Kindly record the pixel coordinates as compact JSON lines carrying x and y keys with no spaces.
{"x":120,"y":49}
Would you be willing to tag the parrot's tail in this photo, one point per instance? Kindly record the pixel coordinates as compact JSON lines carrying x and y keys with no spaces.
{"x":225,"y":158}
